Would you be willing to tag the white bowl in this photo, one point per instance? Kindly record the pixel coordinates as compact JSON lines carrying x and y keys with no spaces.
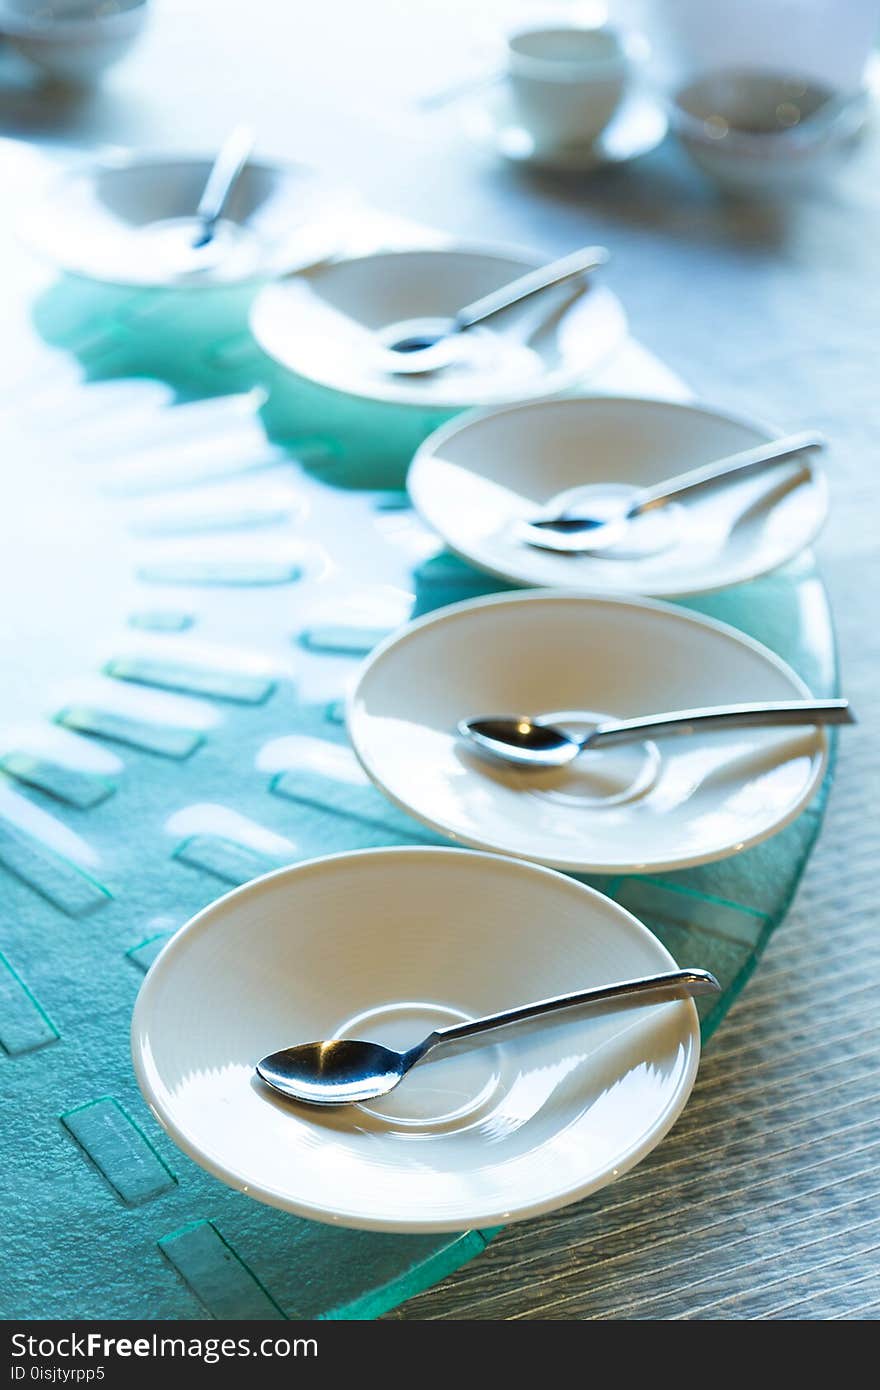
{"x":74,"y":40}
{"x":389,"y":944}
{"x":323,"y":326}
{"x":476,"y":476}
{"x":130,"y":220}
{"x":763,"y":132}
{"x":640,"y":809}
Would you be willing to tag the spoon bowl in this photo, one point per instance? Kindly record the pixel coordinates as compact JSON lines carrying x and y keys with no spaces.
{"x":519,"y":739}
{"x":344,"y":1071}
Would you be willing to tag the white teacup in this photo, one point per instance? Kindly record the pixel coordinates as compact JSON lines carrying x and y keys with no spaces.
{"x":566,"y":82}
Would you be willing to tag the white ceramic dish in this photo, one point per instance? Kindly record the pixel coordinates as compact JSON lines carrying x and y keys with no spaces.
{"x":130,"y":220}
{"x":646,"y":808}
{"x":73,"y":40}
{"x":474,"y":477}
{"x":387,"y":944}
{"x":636,"y":128}
{"x":565,"y":80}
{"x":763,"y":132}
{"x":323,"y":326}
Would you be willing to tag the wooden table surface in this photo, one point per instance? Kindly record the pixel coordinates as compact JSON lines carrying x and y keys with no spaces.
{"x":765,"y":1199}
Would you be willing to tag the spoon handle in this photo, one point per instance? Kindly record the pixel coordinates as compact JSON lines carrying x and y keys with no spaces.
{"x":223,"y":177}
{"x":761,"y":714}
{"x":652,"y":989}
{"x":526,"y":285}
{"x":745,"y":462}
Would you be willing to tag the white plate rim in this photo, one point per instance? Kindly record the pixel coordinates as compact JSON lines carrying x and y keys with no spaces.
{"x":463,"y":421}
{"x":111,"y":158}
{"x":552,"y":385}
{"x":570,"y":866}
{"x":201,"y":921}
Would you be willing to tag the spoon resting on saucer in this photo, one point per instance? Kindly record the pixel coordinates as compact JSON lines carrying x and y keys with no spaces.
{"x":347,"y":1071}
{"x":225,"y":173}
{"x":573,"y":523}
{"x":410,"y":349}
{"x":534,"y":743}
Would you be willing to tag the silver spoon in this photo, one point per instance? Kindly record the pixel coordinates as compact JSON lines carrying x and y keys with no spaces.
{"x":429,"y":350}
{"x":225,"y":173}
{"x":565,"y":527}
{"x":532,"y":743}
{"x":347,"y":1071}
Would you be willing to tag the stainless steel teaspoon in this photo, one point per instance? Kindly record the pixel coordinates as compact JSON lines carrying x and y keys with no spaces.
{"x":225,"y":173}
{"x":411,"y":352}
{"x":346,"y":1071}
{"x":533,"y":743}
{"x":573,"y":529}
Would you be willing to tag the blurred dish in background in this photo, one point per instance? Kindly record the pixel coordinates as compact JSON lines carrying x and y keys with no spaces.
{"x":565,"y":82}
{"x":74,"y":40}
{"x":133,"y":220}
{"x":767,"y":133}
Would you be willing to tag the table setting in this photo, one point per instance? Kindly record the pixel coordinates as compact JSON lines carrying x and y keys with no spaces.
{"x":433,"y":702}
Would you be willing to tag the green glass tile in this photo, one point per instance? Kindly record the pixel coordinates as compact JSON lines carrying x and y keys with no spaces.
{"x":197,"y":523}
{"x":119,"y":1150}
{"x":393,"y":501}
{"x":239,"y":686}
{"x":334,"y":713}
{"x":231,"y":354}
{"x":167,"y":740}
{"x":145,"y":952}
{"x":167,"y":470}
{"x":24,"y":1023}
{"x":68,"y":784}
{"x":218,"y":1277}
{"x":58,"y":880}
{"x":344,"y":641}
{"x":225,"y":859}
{"x":344,"y":816}
{"x":161,"y":620}
{"x":231,"y":573}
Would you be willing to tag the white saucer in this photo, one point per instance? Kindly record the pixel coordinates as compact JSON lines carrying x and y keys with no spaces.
{"x":474,"y":477}
{"x":324,"y":325}
{"x":130,"y":220}
{"x":637,"y":127}
{"x":387,"y":945}
{"x":683,"y":801}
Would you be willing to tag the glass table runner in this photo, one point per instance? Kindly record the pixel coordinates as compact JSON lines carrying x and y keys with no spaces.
{"x":200,"y":552}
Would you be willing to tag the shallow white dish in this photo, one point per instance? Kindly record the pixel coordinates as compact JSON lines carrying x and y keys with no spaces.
{"x":646,"y":808}
{"x":474,"y":477}
{"x":324,"y":324}
{"x":387,"y":944}
{"x":130,"y":220}
{"x":636,"y":128}
{"x":764,"y":133}
{"x":73,"y":40}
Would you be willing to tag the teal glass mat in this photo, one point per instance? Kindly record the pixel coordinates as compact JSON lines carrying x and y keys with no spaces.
{"x":266,"y":544}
